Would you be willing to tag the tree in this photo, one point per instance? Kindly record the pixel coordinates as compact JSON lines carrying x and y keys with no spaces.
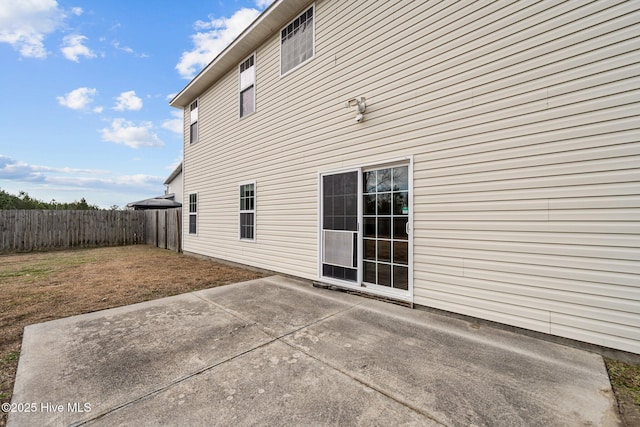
{"x":24,"y":201}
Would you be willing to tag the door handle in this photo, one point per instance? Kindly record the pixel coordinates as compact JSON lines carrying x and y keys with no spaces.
{"x":407,"y":228}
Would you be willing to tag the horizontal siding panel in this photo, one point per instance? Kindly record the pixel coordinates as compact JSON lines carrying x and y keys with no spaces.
{"x":591,"y":239}
{"x":568,"y":191}
{"x":423,"y":269}
{"x":483,"y":309}
{"x":503,"y":205}
{"x":606,"y":340}
{"x":595,"y":325}
{"x":616,"y":133}
{"x":543,"y":299}
{"x":506,"y":304}
{"x":580,"y":264}
{"x":554,"y":283}
{"x":422,"y":261}
{"x":568,"y":159}
{"x":567,"y":168}
{"x":583,"y":251}
{"x":529,"y":215}
{"x":594,"y":214}
{"x":630,"y":227}
{"x":612,"y":273}
{"x":587,"y":178}
{"x":632,"y":201}
{"x":596,"y":202}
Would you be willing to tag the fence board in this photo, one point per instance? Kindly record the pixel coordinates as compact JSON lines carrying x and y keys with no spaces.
{"x":163,"y":228}
{"x":29,"y":230}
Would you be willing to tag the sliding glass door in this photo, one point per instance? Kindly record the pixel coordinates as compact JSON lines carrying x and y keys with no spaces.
{"x":366,"y":229}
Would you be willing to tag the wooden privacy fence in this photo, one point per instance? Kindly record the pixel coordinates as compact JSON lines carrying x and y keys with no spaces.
{"x":28,"y":230}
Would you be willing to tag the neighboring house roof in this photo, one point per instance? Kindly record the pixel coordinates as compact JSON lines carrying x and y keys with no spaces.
{"x":161,"y":202}
{"x":177,"y":171}
{"x":264,"y":26}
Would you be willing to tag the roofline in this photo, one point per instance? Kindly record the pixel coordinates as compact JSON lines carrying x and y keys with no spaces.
{"x":270,"y":21}
{"x":175,"y":173}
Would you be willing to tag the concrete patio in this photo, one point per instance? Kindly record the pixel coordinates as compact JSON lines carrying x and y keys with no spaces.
{"x":277,"y":351}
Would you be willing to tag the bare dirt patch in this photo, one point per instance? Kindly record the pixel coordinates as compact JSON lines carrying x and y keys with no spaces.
{"x":38,"y":287}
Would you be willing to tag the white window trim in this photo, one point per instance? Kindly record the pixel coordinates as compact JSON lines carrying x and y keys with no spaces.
{"x":254,"y":211}
{"x":189,"y":213}
{"x":313,"y":53}
{"x":197,"y":121}
{"x":240,"y":88}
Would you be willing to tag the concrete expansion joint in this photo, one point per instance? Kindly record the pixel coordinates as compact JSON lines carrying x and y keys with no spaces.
{"x":364,"y":383}
{"x":273,"y":338}
{"x":170,"y":384}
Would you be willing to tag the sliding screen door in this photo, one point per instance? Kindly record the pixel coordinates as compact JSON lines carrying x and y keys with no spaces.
{"x":340,"y":226}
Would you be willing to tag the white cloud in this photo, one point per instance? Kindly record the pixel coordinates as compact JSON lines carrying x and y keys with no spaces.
{"x":73,"y":47}
{"x":78,"y":99}
{"x":176,"y":124}
{"x":135,"y":136}
{"x":11,"y":169}
{"x":207,"y":45}
{"x":116,"y":44}
{"x":25,"y":23}
{"x":128,"y":101}
{"x":262,"y":4}
{"x":103,"y":187}
{"x":77,"y":11}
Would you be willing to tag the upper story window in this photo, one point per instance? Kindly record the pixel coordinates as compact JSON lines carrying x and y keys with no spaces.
{"x":193,"y":129}
{"x":248,"y":86}
{"x":297,"y":42}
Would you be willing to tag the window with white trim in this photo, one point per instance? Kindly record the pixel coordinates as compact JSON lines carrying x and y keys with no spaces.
{"x":193,"y":129}
{"x":248,"y":86}
{"x":193,"y":213}
{"x":248,"y":211}
{"x":297,"y":42}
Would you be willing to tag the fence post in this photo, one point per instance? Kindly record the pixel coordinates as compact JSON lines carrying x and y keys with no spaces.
{"x":179,"y":228}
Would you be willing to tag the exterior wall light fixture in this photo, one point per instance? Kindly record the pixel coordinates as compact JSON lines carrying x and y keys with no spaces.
{"x":361,"y":106}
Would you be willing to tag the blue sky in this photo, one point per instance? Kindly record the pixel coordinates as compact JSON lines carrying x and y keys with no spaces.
{"x":85,"y":90}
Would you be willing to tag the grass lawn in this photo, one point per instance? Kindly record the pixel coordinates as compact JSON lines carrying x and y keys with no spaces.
{"x":38,"y":287}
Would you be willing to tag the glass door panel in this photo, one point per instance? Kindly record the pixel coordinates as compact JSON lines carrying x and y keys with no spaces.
{"x":385,"y":196}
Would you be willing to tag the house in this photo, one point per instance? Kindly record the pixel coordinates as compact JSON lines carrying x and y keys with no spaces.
{"x":174,"y":184}
{"x":481,"y":158}
{"x":172,"y":197}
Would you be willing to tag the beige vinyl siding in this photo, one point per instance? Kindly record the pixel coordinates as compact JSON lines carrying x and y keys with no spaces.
{"x":523,"y":122}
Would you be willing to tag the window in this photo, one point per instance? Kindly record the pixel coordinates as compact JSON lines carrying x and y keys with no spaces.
{"x":248,"y":86}
{"x":296,"y":42}
{"x":194,"y":122}
{"x":193,"y":213}
{"x":248,"y":211}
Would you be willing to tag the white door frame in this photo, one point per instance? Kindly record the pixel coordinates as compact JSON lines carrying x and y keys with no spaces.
{"x":371,"y":289}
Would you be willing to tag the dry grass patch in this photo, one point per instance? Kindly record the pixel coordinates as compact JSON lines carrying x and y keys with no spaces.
{"x":625,"y":380}
{"x":38,"y":287}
